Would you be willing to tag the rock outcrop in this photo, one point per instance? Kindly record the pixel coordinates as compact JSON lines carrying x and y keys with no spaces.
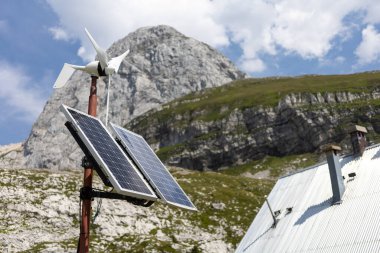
{"x":203,"y":139}
{"x":10,"y":155}
{"x":39,"y":213}
{"x":163,"y":65}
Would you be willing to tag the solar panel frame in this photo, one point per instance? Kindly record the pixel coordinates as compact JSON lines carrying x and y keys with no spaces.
{"x":103,"y":165}
{"x":114,"y":128}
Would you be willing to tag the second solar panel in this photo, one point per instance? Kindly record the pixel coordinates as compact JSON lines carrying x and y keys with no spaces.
{"x":153,"y":169}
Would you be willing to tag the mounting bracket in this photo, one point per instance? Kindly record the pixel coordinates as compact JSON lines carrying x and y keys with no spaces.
{"x":89,"y":193}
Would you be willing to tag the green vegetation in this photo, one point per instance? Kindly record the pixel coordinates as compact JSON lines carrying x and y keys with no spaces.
{"x":37,"y":248}
{"x":218,"y":102}
{"x":165,"y":153}
{"x":276,"y":166}
{"x":67,"y":245}
{"x":240,"y":196}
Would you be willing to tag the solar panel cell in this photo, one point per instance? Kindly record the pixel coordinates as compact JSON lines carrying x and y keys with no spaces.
{"x":153,"y":169}
{"x":123,"y":175}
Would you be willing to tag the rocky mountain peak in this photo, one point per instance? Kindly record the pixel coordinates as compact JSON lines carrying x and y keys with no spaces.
{"x":163,"y":65}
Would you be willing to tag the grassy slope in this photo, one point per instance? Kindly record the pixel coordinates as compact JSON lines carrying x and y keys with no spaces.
{"x":275,"y":166}
{"x":263,"y":92}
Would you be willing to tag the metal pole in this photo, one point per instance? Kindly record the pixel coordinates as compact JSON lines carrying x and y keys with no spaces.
{"x":271,"y":212}
{"x":84,"y":240}
{"x":108,"y":98}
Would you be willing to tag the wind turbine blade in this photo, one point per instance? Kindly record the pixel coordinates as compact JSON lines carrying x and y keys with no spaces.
{"x":102,"y":55}
{"x":116,"y":61}
{"x":64,"y":76}
{"x":108,"y":97}
{"x":83,"y":68}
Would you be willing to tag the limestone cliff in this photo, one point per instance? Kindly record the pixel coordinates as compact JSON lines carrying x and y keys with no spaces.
{"x":253,"y":118}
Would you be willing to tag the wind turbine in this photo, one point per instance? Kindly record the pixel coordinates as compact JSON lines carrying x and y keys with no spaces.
{"x":100,"y":68}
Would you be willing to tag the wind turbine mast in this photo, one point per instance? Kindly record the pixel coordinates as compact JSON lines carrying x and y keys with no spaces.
{"x":84,"y":238}
{"x":100,"y":68}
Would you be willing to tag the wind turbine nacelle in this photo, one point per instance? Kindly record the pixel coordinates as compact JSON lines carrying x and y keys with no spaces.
{"x":95,"y":69}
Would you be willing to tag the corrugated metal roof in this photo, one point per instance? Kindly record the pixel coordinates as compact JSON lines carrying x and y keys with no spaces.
{"x":314,"y":225}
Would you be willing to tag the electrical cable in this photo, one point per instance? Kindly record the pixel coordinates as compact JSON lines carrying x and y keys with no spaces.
{"x":80,"y":211}
{"x":99,"y":205}
{"x":97,"y":209}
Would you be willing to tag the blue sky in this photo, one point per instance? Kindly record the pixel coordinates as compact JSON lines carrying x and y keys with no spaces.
{"x":262,"y":37}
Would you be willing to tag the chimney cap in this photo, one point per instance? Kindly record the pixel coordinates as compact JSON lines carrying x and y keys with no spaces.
{"x":331,"y":147}
{"x":357,"y":128}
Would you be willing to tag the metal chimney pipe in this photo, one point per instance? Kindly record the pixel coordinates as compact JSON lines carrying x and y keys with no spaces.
{"x":358,"y":139}
{"x":335,"y":171}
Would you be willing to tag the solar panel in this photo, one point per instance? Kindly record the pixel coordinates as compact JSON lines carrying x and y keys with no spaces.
{"x":115,"y":164}
{"x":153,"y":169}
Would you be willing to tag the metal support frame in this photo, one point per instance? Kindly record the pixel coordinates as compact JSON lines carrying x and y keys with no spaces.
{"x":87,"y":193}
{"x":90,"y":193}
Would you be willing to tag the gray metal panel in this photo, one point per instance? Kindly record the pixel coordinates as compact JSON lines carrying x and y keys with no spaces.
{"x":315,"y":225}
{"x":120,"y":171}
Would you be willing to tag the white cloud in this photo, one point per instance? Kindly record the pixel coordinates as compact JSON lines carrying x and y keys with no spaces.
{"x":19,"y":94}
{"x":82,"y":53}
{"x":372,"y":11}
{"x":308,"y":28}
{"x":3,"y":25}
{"x":59,"y":33}
{"x":369,"y":49}
{"x":252,"y":65}
{"x":340,"y":59}
{"x":249,"y":24}
{"x":327,"y":62}
{"x":111,"y":20}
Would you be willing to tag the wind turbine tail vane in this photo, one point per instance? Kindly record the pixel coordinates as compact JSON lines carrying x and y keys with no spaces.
{"x":102,"y":55}
{"x":65,"y":74}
